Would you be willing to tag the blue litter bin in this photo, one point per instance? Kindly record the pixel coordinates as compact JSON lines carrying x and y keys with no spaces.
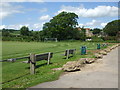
{"x":98,"y":46}
{"x":83,"y":50}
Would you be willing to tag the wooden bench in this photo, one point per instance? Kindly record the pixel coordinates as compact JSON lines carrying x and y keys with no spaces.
{"x":39,"y":57}
{"x":69,"y":52}
{"x":45,"y":56}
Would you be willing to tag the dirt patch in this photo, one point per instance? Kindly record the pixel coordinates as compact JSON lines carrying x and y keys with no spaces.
{"x":94,"y":66}
{"x":93,"y":51}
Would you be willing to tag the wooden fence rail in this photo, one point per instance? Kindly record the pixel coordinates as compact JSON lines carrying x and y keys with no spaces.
{"x":14,"y":59}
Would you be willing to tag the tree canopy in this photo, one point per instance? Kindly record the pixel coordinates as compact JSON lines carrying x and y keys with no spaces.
{"x":62,"y":26}
{"x":96,"y":31}
{"x":112,"y":28}
{"x":24,"y":31}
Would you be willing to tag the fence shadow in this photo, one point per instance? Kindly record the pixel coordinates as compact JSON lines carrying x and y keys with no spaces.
{"x":37,"y":66}
{"x":40,"y":65}
{"x":68,"y":57}
{"x":15,"y":78}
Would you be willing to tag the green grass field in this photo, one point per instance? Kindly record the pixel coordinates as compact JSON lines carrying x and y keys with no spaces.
{"x":43,"y":72}
{"x":18,"y":49}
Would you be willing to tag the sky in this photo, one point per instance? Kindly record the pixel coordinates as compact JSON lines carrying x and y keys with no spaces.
{"x":14,"y":15}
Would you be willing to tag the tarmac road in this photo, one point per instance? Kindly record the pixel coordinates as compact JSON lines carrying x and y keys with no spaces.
{"x":101,"y":74}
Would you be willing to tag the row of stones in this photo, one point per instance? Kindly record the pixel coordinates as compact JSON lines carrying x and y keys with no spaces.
{"x":76,"y":65}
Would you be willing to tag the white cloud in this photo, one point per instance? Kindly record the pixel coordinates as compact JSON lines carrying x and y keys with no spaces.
{"x":22,"y":0}
{"x":43,"y":18}
{"x":35,"y":27}
{"x":8,"y":9}
{"x":81,"y":25}
{"x":21,"y":25}
{"x":38,"y":26}
{"x":99,"y":11}
{"x":94,"y":24}
{"x":17,"y":27}
{"x":103,"y":24}
{"x":2,"y":26}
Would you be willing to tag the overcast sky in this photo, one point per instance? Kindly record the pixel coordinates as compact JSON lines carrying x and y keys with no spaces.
{"x":14,"y":15}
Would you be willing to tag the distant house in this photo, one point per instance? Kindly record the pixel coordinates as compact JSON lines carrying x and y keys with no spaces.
{"x":88,"y":32}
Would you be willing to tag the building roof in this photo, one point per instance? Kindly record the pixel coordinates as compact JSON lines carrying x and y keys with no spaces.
{"x":84,"y":28}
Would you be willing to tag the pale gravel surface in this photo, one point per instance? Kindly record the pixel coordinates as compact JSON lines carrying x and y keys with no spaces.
{"x":101,"y":74}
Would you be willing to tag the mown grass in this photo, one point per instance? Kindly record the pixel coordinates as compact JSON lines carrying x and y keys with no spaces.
{"x":43,"y":72}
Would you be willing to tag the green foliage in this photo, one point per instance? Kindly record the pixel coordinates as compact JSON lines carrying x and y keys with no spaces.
{"x":5,"y":32}
{"x":36,"y":36}
{"x":111,"y":39}
{"x":96,"y":31}
{"x":96,"y":39}
{"x":61,"y":26}
{"x":24,"y":31}
{"x":14,"y":35}
{"x":112,"y":28}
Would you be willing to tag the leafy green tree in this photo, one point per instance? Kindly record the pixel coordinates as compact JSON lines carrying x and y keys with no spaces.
{"x":36,"y":35}
{"x":61,"y":26}
{"x":24,"y":31}
{"x":5,"y":32}
{"x":96,"y":31}
{"x":112,"y":28}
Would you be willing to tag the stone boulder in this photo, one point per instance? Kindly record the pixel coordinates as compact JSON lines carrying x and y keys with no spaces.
{"x":116,"y":45}
{"x":119,"y":44}
{"x":82,"y":61}
{"x":97,"y":55}
{"x":103,"y":52}
{"x":113,"y":47}
{"x":72,"y":66}
{"x":90,"y":60}
{"x":107,"y":50}
{"x":77,"y":65}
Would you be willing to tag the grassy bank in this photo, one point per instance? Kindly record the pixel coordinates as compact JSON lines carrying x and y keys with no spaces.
{"x":11,"y":71}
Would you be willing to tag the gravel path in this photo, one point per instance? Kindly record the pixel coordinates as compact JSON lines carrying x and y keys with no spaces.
{"x":101,"y":74}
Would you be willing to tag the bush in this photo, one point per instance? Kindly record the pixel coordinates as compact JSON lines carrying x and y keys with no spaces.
{"x":109,"y":38}
{"x":96,"y":39}
{"x":112,"y":41}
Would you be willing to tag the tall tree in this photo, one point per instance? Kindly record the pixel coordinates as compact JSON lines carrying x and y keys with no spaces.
{"x":24,"y":31}
{"x":96,"y":31}
{"x":61,"y":26}
{"x":112,"y":28}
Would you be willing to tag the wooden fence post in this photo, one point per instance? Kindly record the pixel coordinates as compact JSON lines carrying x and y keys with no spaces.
{"x":49,"y":54}
{"x":67,"y":54}
{"x":32,"y":63}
